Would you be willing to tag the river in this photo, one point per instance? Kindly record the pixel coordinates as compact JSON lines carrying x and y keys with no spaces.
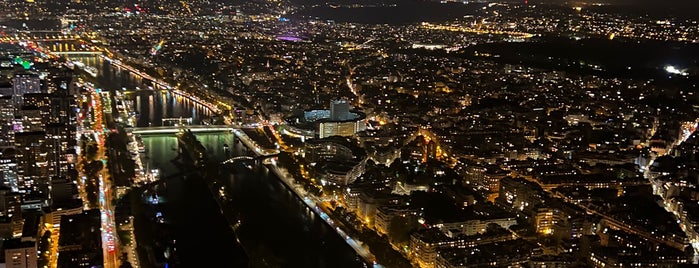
{"x":152,"y":106}
{"x":187,"y":225}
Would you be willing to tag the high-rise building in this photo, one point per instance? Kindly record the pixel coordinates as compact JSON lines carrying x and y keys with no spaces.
{"x":339,"y":110}
{"x":10,"y":213}
{"x":62,"y":109}
{"x":6,"y":87}
{"x":20,"y":254}
{"x":60,"y":150}
{"x":7,"y":115}
{"x":63,"y":190}
{"x":24,"y":83}
{"x":41,"y":102}
{"x":30,"y":118}
{"x":8,"y":167}
{"x":10,"y":203}
{"x":32,"y":166}
{"x":80,"y":241}
{"x":61,"y":82}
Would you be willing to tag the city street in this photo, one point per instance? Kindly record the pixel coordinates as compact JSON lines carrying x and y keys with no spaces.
{"x":99,"y":131}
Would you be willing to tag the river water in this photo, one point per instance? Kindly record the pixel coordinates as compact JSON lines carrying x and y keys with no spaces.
{"x":276,"y":229}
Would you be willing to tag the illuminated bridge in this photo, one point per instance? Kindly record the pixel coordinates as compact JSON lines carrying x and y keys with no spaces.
{"x":235,"y":129}
{"x":238,"y":158}
{"x":76,"y":53}
{"x":179,"y":121}
{"x":37,"y":36}
{"x":248,"y":158}
{"x":177,"y":129}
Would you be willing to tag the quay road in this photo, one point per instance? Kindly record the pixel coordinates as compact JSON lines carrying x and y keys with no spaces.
{"x":160,"y":83}
{"x":259,"y":151}
{"x":310,"y":200}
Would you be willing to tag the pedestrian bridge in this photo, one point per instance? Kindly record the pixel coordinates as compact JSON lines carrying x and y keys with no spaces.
{"x":250,"y":158}
{"x":238,"y":158}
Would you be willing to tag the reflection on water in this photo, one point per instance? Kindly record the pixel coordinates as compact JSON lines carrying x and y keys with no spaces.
{"x":158,"y":108}
{"x":163,"y":148}
{"x":155,"y":108}
{"x":277,"y":229}
{"x":109,"y":76}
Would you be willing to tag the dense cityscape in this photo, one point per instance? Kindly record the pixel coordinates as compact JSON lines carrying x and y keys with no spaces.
{"x":352,"y":133}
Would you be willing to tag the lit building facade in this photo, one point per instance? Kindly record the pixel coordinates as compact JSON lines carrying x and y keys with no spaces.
{"x":32,"y":162}
{"x":20,"y":254}
{"x":24,"y":83}
{"x":339,"y":120}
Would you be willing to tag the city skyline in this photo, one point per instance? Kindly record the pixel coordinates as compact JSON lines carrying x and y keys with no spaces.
{"x":305,"y":133}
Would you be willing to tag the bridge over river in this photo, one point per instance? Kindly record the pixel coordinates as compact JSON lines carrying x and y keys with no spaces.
{"x":235,"y":129}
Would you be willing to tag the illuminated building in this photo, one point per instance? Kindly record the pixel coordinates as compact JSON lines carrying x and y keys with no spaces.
{"x":551,"y":261}
{"x":589,"y":181}
{"x":10,"y":203}
{"x":385,"y":155}
{"x":332,"y":128}
{"x":74,"y":207}
{"x":60,"y":148}
{"x":431,"y":150}
{"x":7,"y":115}
{"x":337,"y":121}
{"x":61,"y":127}
{"x":370,"y":201}
{"x":32,"y":162}
{"x":334,"y":148}
{"x":513,"y":253}
{"x":547,"y":220}
{"x":342,"y":173}
{"x":34,"y":113}
{"x":426,"y":245}
{"x":30,"y":119}
{"x":474,"y":174}
{"x":8,"y":172}
{"x":603,"y":257}
{"x":351,"y":197}
{"x":64,"y":201}
{"x":24,"y":83}
{"x":386,"y":214}
{"x":11,"y":213}
{"x":80,"y":242}
{"x":340,"y":111}
{"x":520,"y":194}
{"x":476,"y":226}
{"x":406,"y":188}
{"x":20,"y":254}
